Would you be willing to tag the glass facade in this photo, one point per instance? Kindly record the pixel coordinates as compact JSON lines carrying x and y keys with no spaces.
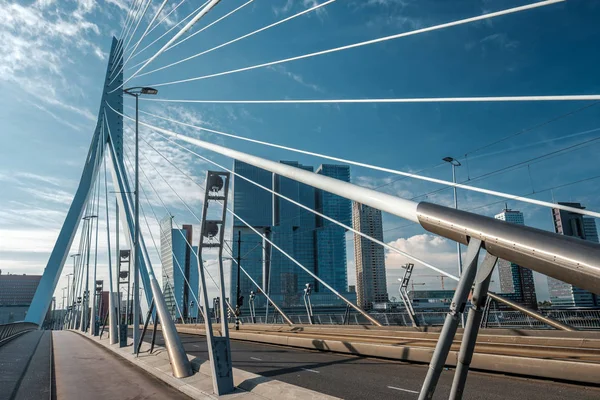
{"x":563,"y":294}
{"x":371,"y":281}
{"x":179,"y":265}
{"x":516,"y":282}
{"x":318,"y":245}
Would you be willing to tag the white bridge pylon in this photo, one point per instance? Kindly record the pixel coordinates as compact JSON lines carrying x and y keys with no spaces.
{"x":108,"y":135}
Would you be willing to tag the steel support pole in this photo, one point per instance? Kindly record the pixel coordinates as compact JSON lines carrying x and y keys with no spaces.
{"x":136,"y":239}
{"x":458,"y":252}
{"x":459,"y":302}
{"x":94,"y":308}
{"x":467,"y":347}
{"x":179,"y":362}
{"x":112,"y":311}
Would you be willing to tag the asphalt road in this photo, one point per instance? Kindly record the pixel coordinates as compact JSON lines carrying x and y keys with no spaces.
{"x":352,"y":377}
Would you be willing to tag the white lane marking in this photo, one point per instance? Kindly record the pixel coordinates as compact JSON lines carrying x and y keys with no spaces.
{"x":196,"y":346}
{"x":254,"y":358}
{"x":404,"y":390}
{"x":311,"y":370}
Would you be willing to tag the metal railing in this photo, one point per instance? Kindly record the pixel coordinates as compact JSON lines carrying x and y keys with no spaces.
{"x":8,"y":330}
{"x":580,"y":319}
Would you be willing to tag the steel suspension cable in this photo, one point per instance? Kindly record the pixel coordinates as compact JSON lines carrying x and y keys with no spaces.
{"x":195,"y":216}
{"x":369,"y":42}
{"x":165,"y":17}
{"x":129,"y":172}
{"x":166,"y":33}
{"x":264,"y":28}
{"x":160,"y":8}
{"x":365,"y":165}
{"x":375,"y":322}
{"x":321,"y":215}
{"x":196,"y":18}
{"x":121,"y":45}
{"x":169,"y":213}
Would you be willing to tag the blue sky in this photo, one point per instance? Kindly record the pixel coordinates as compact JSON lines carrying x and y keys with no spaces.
{"x":53,"y":57}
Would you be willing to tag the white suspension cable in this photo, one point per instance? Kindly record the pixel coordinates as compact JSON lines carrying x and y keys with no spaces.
{"x":168,"y":212}
{"x":388,"y":170}
{"x":160,"y":8}
{"x":373,"y":41}
{"x":375,"y":322}
{"x":156,"y":14}
{"x":385,"y":245}
{"x":143,"y":14}
{"x":186,"y":205}
{"x":575,"y":97}
{"x":126,"y":21}
{"x":193,"y":21}
{"x":164,"y":34}
{"x":283,"y":315}
{"x":233,"y":259}
{"x":156,"y":247}
{"x":209,"y":25}
{"x":125,"y":26}
{"x":166,"y":16}
{"x":264,"y":28}
{"x":127,"y":36}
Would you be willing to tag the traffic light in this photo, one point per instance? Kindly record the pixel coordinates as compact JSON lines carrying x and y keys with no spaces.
{"x":240,"y":301}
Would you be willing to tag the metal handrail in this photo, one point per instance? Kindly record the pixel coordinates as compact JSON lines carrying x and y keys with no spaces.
{"x":14,"y":328}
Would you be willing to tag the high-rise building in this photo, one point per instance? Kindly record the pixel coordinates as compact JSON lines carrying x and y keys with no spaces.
{"x":316,"y":243}
{"x":563,"y":294}
{"x":516,"y":282}
{"x":16,"y":294}
{"x":180,"y":270}
{"x":331,"y":238}
{"x":371,"y":282}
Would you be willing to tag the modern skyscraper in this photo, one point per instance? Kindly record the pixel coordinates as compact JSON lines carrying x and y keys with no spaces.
{"x":316,"y":243}
{"x":180,"y":269}
{"x":371,"y":282}
{"x":331,"y":238}
{"x":572,"y":224}
{"x":516,"y":282}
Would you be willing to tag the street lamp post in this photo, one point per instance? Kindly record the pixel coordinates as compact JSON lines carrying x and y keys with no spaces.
{"x":72,"y":301}
{"x":68,"y":297}
{"x":136,"y":92}
{"x":455,"y":163}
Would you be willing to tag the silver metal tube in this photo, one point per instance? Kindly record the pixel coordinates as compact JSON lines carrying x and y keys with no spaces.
{"x":451,"y":323}
{"x":385,"y":202}
{"x":458,"y":253}
{"x":179,"y":361}
{"x":136,"y":239}
{"x":562,"y":257}
{"x":112,"y":311}
{"x":469,"y":338}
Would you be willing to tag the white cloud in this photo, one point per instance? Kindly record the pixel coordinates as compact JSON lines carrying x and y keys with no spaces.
{"x":37,"y":43}
{"x":296,"y":77}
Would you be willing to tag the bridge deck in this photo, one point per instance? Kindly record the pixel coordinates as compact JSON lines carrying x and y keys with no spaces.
{"x":85,"y":370}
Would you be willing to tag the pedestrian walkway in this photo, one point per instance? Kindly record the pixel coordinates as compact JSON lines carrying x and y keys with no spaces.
{"x":87,"y":371}
{"x":25,"y":367}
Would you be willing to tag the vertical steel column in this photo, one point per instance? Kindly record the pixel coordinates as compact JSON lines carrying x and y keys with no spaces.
{"x":136,"y":238}
{"x":112,"y":312}
{"x":482,"y":284}
{"x":457,"y":307}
